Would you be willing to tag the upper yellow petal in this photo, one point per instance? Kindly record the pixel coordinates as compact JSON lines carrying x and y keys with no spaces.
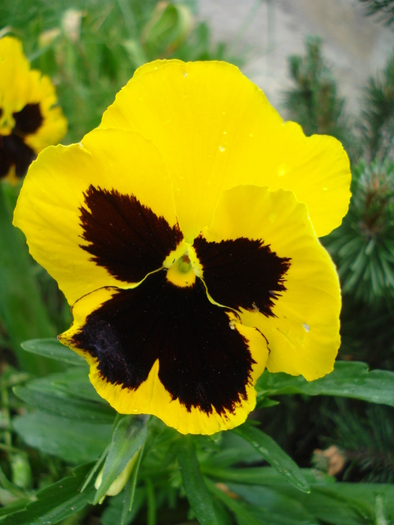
{"x":48,"y":208}
{"x":215,"y":129}
{"x":19,"y":86}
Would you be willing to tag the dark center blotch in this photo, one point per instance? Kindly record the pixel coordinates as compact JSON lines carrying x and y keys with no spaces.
{"x":27,"y":120}
{"x":202,"y":361}
{"x":14,"y":152}
{"x":242,"y":273}
{"x":124,"y":236}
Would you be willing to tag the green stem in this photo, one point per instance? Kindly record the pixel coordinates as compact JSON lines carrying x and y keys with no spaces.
{"x":151,"y":502}
{"x":7,"y":418}
{"x":22,"y":309}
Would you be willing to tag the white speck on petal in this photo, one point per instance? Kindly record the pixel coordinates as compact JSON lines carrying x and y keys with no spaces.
{"x":305,"y":327}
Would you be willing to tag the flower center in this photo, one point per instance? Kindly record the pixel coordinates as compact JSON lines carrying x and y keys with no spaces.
{"x":181,"y":273}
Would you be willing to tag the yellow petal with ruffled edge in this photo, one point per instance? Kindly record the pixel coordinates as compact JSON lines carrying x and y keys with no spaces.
{"x":20,"y":86}
{"x":151,"y":397}
{"x":215,"y":130}
{"x":303,"y":334}
{"x":49,"y":206}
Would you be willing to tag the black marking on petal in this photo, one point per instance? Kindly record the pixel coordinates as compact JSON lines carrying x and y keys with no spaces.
{"x":242,"y":273}
{"x":27,"y":120}
{"x":124,"y":236}
{"x":14,"y":152}
{"x":202,"y":362}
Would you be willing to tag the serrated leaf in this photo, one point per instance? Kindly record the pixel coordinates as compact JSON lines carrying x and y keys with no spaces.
{"x":52,"y":349}
{"x":349,"y":379}
{"x":74,"y":441}
{"x":54,"y":503}
{"x":128,"y":437}
{"x":274,"y":455}
{"x":60,"y":404}
{"x":195,"y":489}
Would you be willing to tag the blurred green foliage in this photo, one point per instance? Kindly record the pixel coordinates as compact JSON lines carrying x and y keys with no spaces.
{"x":384,"y":9}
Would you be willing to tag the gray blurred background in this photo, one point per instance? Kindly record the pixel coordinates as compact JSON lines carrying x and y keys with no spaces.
{"x":268,"y":31}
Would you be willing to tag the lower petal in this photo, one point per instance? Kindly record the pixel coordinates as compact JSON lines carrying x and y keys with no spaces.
{"x":163,"y":350}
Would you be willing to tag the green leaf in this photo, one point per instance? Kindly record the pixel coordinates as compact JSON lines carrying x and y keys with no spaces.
{"x":54,"y":503}
{"x":114,"y":511}
{"x":265,"y":476}
{"x":349,"y":379}
{"x":273,"y":506}
{"x":128,"y":437}
{"x":241,"y":510}
{"x":131,"y":486}
{"x":74,"y":382}
{"x":361,"y":498}
{"x":196,"y":491}
{"x":74,"y":441}
{"x":52,"y":349}
{"x":60,"y":404}
{"x":274,"y":455}
{"x":332,"y":502}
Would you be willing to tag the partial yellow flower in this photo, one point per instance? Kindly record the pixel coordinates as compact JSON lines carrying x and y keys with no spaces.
{"x":29,"y":118}
{"x":183,"y":232}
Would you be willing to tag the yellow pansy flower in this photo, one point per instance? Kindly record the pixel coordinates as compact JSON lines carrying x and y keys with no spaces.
{"x":29,"y":118}
{"x":184,"y":233}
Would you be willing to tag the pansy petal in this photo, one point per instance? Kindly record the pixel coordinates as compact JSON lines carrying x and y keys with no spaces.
{"x":100,"y":213}
{"x":29,"y":117}
{"x":302,"y":322}
{"x":164,"y":350}
{"x":54,"y":124}
{"x":14,"y":68}
{"x":215,"y":130}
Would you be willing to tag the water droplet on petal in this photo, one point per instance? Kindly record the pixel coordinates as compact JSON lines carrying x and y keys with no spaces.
{"x":222,"y":149}
{"x":184,"y":74}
